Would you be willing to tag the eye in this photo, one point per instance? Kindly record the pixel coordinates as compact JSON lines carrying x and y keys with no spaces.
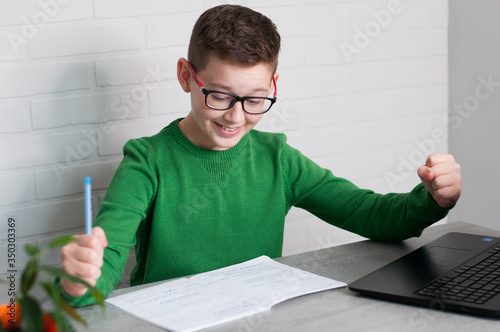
{"x":220,"y":97}
{"x":255,"y":102}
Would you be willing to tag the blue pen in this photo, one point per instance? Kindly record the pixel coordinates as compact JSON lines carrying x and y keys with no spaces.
{"x":87,"y":184}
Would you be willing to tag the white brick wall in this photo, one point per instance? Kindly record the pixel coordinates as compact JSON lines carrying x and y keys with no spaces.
{"x":27,"y":79}
{"x":18,"y":12}
{"x":80,"y":77}
{"x":86,"y":38}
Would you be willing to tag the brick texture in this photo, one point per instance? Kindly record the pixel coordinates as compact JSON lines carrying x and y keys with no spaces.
{"x":362,"y":90}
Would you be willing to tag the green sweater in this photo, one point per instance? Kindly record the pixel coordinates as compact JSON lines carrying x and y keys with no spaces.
{"x":188,"y":210}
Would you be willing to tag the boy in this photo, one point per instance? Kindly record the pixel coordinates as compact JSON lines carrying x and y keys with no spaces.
{"x":208,"y":191}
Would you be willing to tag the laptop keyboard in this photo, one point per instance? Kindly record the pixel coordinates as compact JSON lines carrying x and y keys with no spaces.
{"x":472,"y":284}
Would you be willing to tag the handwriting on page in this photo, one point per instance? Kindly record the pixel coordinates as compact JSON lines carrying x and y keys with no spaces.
{"x":222,"y":295}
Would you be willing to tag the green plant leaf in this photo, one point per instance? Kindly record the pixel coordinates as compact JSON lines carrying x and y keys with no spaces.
{"x":62,"y":323}
{"x":60,"y":273}
{"x":60,"y":304}
{"x":31,"y":319}
{"x":57,"y":242}
{"x":50,"y":288}
{"x":97,"y":295}
{"x":31,"y":249}
{"x":72,"y":312}
{"x":29,"y":276}
{"x":61,"y":241}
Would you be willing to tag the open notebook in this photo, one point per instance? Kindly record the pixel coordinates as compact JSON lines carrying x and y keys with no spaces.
{"x":215,"y":297}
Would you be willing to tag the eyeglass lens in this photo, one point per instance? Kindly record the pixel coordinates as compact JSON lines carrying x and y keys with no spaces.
{"x":224,"y":101}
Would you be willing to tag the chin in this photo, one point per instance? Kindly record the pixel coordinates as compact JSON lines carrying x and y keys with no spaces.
{"x":225,"y":144}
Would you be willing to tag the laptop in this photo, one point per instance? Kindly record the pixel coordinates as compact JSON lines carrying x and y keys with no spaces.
{"x":457,"y":272}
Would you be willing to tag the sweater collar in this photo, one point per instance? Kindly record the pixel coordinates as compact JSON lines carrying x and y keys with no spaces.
{"x":205,"y":153}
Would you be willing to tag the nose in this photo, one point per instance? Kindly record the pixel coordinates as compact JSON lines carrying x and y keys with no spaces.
{"x":235,"y":114}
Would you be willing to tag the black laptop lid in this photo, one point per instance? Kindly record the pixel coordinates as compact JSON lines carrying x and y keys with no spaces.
{"x":399,"y":280}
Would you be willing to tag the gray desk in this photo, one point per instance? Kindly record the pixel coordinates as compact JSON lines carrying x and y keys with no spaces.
{"x":334,"y":310}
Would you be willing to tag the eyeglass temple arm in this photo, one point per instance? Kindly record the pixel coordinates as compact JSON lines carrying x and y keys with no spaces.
{"x":275,"y":88}
{"x":195,"y":77}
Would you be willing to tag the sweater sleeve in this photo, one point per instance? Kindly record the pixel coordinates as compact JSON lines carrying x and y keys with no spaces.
{"x":124,"y":208}
{"x":389,"y":217}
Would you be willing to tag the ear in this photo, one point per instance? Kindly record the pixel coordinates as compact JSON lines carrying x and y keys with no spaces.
{"x":276,"y":76}
{"x":184,"y":74}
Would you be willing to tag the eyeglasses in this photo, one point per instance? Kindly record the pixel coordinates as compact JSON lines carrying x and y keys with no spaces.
{"x":222,"y":101}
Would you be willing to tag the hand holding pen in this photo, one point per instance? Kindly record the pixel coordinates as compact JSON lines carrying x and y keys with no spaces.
{"x":84,"y":257}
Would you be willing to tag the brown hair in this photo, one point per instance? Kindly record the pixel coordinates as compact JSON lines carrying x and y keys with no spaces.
{"x":235,"y":34}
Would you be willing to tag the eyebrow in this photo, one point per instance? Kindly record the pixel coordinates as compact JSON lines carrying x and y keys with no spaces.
{"x":228,"y":88}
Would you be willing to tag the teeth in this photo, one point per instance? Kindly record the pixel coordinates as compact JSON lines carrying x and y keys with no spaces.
{"x":227,"y":128}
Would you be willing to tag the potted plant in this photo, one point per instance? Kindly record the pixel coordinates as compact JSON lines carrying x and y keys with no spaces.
{"x":29,"y":314}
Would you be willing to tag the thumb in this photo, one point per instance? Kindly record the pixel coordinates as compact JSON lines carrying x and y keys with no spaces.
{"x":425,"y":173}
{"x":99,"y":233}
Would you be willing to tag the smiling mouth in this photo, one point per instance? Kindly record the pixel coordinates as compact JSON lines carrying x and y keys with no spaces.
{"x":228,"y":130}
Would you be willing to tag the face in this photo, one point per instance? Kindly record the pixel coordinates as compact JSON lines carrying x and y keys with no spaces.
{"x":221,"y":130}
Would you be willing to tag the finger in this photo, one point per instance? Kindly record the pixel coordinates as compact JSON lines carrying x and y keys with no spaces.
{"x":79,"y":267}
{"x":82,"y":254}
{"x":446,"y":168}
{"x":442,"y":169}
{"x":89,"y":241}
{"x":439,"y":158}
{"x":87,"y":255}
{"x":425,"y":173}
{"x":101,"y":236}
{"x":446,"y":180}
{"x":85,"y":271}
{"x":72,"y":288}
{"x":449,"y":193}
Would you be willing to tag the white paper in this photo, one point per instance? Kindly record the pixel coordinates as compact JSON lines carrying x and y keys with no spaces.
{"x":222,"y":295}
